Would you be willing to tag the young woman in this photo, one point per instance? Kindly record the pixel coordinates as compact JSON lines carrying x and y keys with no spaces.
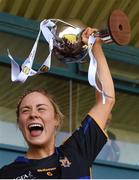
{"x":39,"y":119}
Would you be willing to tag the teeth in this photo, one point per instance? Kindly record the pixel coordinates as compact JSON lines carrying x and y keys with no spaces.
{"x":35,"y":125}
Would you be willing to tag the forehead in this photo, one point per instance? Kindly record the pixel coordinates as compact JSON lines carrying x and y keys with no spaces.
{"x":35,"y":98}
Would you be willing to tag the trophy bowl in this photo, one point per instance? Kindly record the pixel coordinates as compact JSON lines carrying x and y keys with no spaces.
{"x":68,"y":45}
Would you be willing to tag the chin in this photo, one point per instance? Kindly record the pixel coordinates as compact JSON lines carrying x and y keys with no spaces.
{"x":36,"y":143}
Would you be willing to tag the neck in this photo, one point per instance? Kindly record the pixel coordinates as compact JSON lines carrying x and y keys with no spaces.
{"x":39,"y":152}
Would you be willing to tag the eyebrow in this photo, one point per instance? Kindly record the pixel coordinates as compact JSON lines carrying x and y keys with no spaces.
{"x":38,"y":105}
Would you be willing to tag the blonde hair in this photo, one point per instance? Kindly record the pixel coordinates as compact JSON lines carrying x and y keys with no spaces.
{"x":58,"y":114}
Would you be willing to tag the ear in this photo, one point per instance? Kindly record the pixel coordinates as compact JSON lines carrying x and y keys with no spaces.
{"x":57,"y":123}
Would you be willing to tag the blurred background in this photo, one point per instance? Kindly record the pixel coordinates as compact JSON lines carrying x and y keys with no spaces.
{"x":19,"y":26}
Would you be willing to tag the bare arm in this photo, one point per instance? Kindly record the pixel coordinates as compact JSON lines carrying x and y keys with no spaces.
{"x":100,"y":112}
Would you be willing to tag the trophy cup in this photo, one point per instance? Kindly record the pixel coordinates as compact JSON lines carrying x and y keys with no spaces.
{"x":68,"y":45}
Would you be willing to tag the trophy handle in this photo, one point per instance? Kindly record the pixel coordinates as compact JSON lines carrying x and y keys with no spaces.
{"x":118,"y":30}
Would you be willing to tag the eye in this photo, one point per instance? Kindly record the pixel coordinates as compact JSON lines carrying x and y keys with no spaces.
{"x":25,"y":110}
{"x":41,"y":109}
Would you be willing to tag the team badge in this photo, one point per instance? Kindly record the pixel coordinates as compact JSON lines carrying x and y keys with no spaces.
{"x":65,"y":162}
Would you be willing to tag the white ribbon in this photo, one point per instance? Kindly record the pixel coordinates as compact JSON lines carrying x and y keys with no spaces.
{"x":92,"y":71}
{"x":20,"y":74}
{"x":49,"y":38}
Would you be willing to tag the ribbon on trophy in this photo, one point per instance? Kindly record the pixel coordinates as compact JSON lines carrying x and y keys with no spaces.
{"x":92,"y":70}
{"x":20,"y":74}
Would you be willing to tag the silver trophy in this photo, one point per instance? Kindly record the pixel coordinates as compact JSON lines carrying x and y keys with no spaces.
{"x":68,"y":45}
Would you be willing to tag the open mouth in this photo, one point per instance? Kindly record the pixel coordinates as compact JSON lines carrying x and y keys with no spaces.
{"x":35,"y":129}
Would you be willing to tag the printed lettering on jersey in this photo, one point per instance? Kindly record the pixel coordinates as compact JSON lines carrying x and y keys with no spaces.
{"x":28,"y":175}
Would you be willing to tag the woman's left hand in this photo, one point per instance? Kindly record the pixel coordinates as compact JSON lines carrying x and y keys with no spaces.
{"x":87,"y":32}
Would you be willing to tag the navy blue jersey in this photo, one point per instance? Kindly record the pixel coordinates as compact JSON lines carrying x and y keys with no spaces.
{"x":72,"y":160}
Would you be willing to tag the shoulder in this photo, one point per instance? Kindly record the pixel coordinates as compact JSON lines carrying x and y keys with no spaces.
{"x":88,"y":129}
{"x":7,"y":169}
{"x":86,"y":141}
{"x":10,"y":165}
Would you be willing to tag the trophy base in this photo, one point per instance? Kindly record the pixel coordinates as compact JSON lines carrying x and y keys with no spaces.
{"x":119,"y":27}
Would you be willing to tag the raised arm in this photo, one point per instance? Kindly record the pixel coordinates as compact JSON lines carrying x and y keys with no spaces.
{"x":100,"y":112}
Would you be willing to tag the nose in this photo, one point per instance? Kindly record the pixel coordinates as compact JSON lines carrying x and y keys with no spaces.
{"x":34,"y":114}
